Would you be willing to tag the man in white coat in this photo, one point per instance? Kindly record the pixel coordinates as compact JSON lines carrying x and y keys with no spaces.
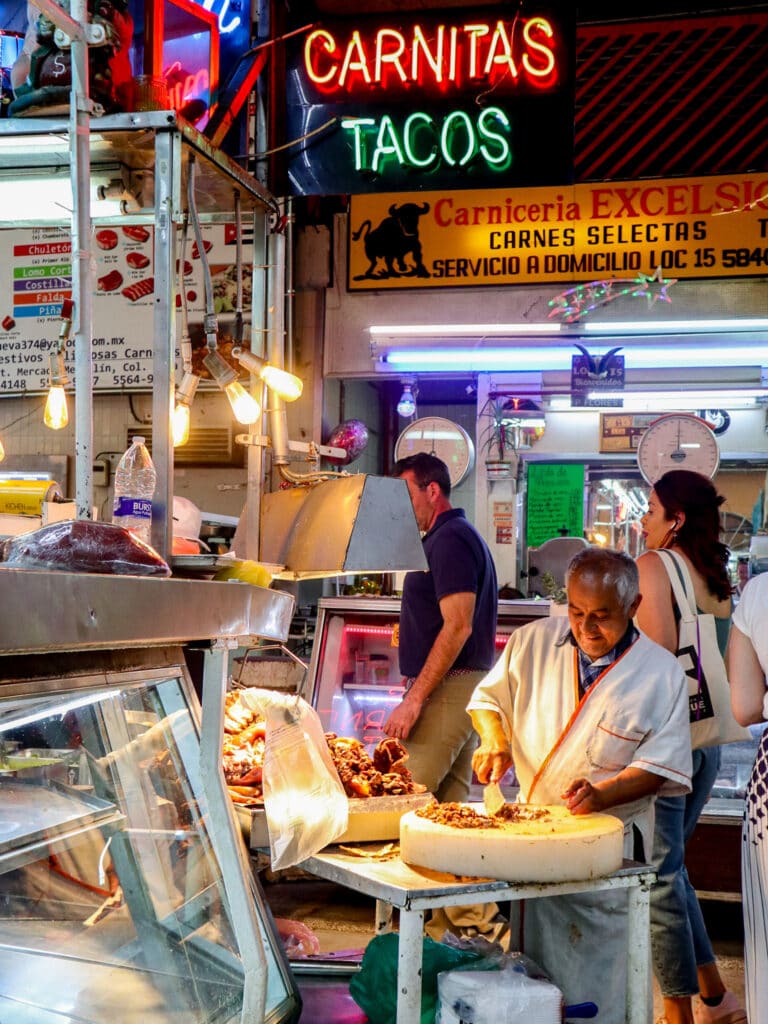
{"x":593,"y":715}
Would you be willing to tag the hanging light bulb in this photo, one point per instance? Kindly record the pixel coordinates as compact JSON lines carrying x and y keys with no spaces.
{"x":244,"y":406}
{"x":181,"y":412}
{"x":407,"y":405}
{"x":285,"y":384}
{"x":56,"y":414}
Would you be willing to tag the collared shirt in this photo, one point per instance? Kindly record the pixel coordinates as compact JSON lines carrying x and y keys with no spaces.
{"x":589,"y":670}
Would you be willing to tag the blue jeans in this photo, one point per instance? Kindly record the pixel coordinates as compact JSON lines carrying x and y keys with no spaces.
{"x":679,"y":940}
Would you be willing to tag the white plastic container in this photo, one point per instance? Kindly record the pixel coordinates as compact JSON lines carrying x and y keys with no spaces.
{"x":135,"y":480}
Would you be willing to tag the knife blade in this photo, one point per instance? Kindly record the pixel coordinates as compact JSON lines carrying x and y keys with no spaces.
{"x":493,"y":798}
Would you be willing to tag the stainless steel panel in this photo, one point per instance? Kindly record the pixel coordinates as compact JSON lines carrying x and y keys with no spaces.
{"x":59,"y":611}
{"x":358,"y":523}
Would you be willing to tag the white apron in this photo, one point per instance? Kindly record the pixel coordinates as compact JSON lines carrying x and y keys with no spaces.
{"x":635,"y":714}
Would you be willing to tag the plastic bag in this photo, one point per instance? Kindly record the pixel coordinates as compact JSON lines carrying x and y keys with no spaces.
{"x":304,"y":801}
{"x":374,"y":987}
{"x":474,"y":997}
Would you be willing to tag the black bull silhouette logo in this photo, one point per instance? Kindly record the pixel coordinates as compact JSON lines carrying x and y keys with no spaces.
{"x":396,"y":237}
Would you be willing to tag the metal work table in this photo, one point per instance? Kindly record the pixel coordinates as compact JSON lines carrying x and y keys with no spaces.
{"x":395,"y":884}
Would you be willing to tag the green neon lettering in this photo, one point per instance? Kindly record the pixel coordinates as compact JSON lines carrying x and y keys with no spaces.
{"x":449,"y":130}
{"x":410,"y":130}
{"x":387,"y":143}
{"x":495,"y":116}
{"x":356,"y":125}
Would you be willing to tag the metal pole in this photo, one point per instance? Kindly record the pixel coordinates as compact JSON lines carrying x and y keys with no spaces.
{"x":82,"y":270}
{"x":255,"y":456}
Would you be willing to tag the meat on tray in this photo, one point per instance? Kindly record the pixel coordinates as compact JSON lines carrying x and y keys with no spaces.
{"x":84,"y":545}
{"x":110,"y":282}
{"x":136,"y":232}
{"x":137,"y":260}
{"x":106,"y":238}
{"x":140,"y":289}
{"x":384,"y":774}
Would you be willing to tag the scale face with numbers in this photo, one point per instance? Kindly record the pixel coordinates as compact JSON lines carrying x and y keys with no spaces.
{"x":677,"y":441}
{"x":440,"y":437}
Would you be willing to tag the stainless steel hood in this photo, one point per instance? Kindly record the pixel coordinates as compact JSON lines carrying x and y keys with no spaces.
{"x":350,"y":524}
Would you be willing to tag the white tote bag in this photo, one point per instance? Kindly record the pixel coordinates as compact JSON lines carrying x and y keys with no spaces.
{"x":712,"y":721}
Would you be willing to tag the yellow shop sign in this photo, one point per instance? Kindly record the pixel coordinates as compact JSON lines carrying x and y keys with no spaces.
{"x":688,"y":227}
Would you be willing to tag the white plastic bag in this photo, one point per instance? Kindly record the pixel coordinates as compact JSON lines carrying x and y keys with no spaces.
{"x":304,"y":801}
{"x":496,"y":997}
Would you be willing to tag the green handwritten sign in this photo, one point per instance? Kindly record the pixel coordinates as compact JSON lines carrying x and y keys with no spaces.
{"x":555,"y":501}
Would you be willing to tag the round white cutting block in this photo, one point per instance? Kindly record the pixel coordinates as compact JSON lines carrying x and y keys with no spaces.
{"x":555,"y":847}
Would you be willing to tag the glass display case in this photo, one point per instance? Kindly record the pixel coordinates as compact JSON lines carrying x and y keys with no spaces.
{"x":122,"y":879}
{"x":354,"y":680}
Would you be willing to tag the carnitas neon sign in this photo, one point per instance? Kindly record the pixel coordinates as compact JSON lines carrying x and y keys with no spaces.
{"x":444,"y":56}
{"x":384,"y":67}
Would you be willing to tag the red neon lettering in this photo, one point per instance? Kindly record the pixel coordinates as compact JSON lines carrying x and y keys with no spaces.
{"x":540,"y":49}
{"x":354,"y":60}
{"x":317,"y":39}
{"x":474,"y":32}
{"x":437,"y":55}
{"x":393,"y":58}
{"x":504,"y":59}
{"x":435,"y":60}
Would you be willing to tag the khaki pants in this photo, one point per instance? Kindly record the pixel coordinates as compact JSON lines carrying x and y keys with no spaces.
{"x":441,"y":744}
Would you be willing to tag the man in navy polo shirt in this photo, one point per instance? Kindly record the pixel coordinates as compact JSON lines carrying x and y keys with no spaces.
{"x":447,"y":634}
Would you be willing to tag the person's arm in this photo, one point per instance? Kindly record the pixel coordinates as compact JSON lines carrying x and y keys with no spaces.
{"x":493,"y":756}
{"x":655,"y":616}
{"x":584,"y":797}
{"x":746,"y":678}
{"x":457,"y":611}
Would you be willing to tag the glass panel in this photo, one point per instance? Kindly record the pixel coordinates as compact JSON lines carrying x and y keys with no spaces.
{"x":109,"y":887}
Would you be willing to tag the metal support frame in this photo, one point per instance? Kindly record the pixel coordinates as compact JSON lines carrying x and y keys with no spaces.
{"x":225,"y":835}
{"x":394,"y":884}
{"x":168,"y":157}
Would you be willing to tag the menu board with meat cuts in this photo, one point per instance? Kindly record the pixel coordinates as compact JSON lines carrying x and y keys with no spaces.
{"x":36,"y":278}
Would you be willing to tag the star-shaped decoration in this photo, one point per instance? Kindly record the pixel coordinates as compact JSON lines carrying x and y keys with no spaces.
{"x":655,"y":287}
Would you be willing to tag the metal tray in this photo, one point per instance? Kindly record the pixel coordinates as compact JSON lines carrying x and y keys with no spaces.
{"x":31,"y":813}
{"x":208,"y":565}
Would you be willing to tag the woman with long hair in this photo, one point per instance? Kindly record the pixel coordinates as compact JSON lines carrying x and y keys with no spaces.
{"x":683,"y":517}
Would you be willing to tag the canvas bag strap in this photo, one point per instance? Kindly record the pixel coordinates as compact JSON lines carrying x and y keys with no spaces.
{"x":682,"y":587}
{"x":679,"y":577}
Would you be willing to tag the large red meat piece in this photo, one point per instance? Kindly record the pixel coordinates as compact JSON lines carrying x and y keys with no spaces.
{"x":80,"y":545}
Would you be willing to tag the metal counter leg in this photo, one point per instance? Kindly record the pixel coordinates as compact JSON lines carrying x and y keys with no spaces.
{"x":383,"y":919}
{"x":409,"y":965}
{"x":639,"y":990}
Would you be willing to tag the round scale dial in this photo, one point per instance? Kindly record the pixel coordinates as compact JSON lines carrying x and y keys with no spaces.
{"x":440,"y":437}
{"x":677,"y":441}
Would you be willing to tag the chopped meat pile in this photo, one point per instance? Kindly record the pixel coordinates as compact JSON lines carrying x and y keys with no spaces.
{"x":242,"y":750}
{"x":522,"y":812}
{"x":457,"y":815}
{"x":384,"y":774}
{"x":464,"y":816}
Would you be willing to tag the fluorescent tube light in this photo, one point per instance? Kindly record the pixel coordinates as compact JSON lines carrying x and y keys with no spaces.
{"x":461,"y":330}
{"x":558,"y":357}
{"x":664,"y":401}
{"x":672,"y":326}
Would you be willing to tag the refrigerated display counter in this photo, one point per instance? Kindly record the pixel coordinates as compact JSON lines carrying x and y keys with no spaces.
{"x":125,"y":890}
{"x":354,"y":680}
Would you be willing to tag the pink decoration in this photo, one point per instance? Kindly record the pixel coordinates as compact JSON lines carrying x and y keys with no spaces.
{"x":352,"y":436}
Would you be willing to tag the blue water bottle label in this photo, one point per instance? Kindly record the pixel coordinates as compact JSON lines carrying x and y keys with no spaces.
{"x":135,"y":508}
